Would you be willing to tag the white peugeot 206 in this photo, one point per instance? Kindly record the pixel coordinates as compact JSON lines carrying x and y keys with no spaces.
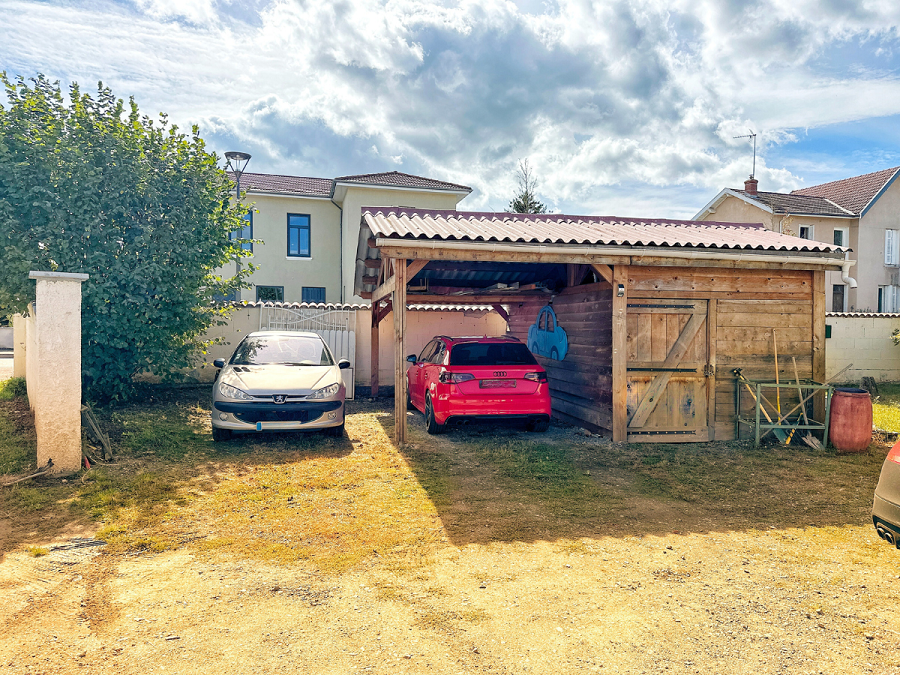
{"x":279,"y":381}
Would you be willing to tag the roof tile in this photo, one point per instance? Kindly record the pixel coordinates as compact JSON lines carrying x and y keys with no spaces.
{"x":851,"y":193}
{"x":796,"y":204}
{"x":291,"y":185}
{"x":398,"y":179}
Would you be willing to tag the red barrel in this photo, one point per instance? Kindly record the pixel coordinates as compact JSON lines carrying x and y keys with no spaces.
{"x":850,"y":428}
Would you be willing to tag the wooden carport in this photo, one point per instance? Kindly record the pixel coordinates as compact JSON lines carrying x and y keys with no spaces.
{"x":661,"y":311}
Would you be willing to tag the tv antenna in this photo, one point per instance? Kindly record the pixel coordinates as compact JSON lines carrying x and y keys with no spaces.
{"x":752,"y":136}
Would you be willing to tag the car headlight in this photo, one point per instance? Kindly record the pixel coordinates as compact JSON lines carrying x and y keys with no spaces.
{"x":325,"y":392}
{"x":233,"y":392}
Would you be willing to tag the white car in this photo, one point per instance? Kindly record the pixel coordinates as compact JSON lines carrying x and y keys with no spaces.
{"x":279,"y":381}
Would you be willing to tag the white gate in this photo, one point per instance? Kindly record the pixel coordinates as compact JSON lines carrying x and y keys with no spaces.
{"x":335,"y":325}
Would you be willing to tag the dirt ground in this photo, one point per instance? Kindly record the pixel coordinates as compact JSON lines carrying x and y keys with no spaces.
{"x":509,"y":585}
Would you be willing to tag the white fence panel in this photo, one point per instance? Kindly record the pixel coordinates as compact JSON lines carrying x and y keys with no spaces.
{"x":334,"y":325}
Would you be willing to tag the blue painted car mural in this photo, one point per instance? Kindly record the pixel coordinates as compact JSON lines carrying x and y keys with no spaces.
{"x":546,"y":338}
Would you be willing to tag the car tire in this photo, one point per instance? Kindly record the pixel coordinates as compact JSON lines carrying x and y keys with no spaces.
{"x":554,"y":354}
{"x":220,"y":435}
{"x":533,"y":348}
{"x":336,"y":432}
{"x":538,"y":426}
{"x":431,"y":424}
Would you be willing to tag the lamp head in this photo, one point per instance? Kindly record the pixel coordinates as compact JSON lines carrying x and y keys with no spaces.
{"x":237,"y":161}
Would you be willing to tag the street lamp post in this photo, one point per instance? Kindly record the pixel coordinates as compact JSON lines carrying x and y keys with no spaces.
{"x":237,"y":163}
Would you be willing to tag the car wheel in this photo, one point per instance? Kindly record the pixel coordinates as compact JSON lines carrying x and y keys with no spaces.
{"x":538,"y":426}
{"x":431,"y":425}
{"x":554,"y":354}
{"x":221,"y":434}
{"x":337,"y":431}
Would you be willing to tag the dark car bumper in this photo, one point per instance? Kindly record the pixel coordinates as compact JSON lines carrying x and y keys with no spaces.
{"x":886,"y":519}
{"x":304,"y":411}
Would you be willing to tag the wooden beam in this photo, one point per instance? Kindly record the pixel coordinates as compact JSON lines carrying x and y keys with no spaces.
{"x":712,"y":334}
{"x":414,"y":267}
{"x":376,"y":354}
{"x":385,"y":289}
{"x":477,"y":299}
{"x":399,"y":302}
{"x":384,"y":311}
{"x":619,"y":355}
{"x":366,"y":295}
{"x":562,"y":256}
{"x":604,"y":271}
{"x":372,"y":243}
{"x":502,"y":312}
{"x":818,"y":340}
{"x":372,"y":263}
{"x":572,"y":274}
{"x":370,"y":280}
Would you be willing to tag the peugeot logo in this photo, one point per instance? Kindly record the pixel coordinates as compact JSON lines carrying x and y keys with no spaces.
{"x":280,"y":398}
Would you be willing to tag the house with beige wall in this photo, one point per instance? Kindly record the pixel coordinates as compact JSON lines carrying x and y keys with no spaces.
{"x":861,"y":213}
{"x":307,"y":229}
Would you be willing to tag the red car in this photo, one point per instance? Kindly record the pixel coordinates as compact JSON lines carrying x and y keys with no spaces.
{"x":456,"y":380}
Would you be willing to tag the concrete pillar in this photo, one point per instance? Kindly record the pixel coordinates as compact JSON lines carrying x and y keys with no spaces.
{"x":56,"y":398}
{"x":18,"y":345}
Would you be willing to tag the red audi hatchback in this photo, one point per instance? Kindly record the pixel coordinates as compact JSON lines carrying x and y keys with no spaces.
{"x":456,"y":380}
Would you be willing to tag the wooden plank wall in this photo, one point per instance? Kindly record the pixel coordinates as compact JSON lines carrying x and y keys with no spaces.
{"x":747,"y":305}
{"x":581,"y":384}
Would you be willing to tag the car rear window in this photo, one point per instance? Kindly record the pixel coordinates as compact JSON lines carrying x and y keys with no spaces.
{"x":300,"y":350}
{"x":491,"y":354}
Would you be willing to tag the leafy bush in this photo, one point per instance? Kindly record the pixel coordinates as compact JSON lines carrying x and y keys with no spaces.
{"x":94,"y":186}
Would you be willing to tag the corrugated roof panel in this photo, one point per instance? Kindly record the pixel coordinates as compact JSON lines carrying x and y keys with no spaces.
{"x":581,"y":230}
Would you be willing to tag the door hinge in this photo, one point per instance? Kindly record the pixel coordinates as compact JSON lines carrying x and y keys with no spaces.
{"x":709,"y":370}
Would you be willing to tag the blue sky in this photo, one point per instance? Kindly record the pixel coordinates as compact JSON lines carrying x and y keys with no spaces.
{"x":622,"y":107}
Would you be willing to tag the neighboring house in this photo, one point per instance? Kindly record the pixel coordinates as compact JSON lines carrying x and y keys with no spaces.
{"x":310,"y":228}
{"x":862,"y":213}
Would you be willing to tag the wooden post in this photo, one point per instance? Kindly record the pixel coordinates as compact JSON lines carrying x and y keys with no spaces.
{"x":399,"y":305}
{"x":376,"y":362}
{"x":619,"y":354}
{"x":818,"y":336}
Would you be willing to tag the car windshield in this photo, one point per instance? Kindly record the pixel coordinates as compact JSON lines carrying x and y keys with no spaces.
{"x":491,"y":354}
{"x":288,"y":350}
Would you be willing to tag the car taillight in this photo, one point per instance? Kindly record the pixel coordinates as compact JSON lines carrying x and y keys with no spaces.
{"x":456,"y":378}
{"x":536,"y":377}
{"x":894,"y":454}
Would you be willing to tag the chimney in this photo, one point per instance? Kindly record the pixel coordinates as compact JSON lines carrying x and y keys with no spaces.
{"x":750,"y":185}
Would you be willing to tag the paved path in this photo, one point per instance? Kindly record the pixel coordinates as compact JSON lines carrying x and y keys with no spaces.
{"x":6,"y":368}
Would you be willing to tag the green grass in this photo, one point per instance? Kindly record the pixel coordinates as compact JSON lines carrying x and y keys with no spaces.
{"x":549,"y":472}
{"x":886,"y":407}
{"x":17,"y":452}
{"x":12,"y":388}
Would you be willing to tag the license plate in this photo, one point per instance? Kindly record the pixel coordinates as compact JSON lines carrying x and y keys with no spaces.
{"x":497,"y":384}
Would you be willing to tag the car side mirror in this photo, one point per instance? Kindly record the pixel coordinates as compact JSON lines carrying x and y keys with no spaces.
{"x":219,"y":363}
{"x":343,"y":364}
{"x":411,"y":358}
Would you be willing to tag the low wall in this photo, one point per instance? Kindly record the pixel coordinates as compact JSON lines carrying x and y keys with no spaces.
{"x":865,"y":341}
{"x":421,"y":326}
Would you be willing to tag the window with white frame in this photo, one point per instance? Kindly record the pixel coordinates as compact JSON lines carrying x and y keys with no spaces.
{"x":841,"y":236}
{"x":891,"y":248}
{"x":806,"y":232}
{"x":889,"y":299}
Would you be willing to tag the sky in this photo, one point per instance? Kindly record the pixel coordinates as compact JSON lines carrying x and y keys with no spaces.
{"x":621,"y":107}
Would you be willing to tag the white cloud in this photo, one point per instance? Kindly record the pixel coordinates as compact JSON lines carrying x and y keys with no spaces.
{"x":612,"y":101}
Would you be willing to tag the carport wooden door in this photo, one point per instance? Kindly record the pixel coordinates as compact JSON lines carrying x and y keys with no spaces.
{"x":667,"y":362}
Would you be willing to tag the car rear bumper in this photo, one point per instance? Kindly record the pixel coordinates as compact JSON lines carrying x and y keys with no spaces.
{"x":466,"y":419}
{"x":310,"y":415}
{"x":886,"y":519}
{"x":491,"y":407}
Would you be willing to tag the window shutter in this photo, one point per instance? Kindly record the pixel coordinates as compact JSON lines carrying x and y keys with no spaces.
{"x":889,"y":238}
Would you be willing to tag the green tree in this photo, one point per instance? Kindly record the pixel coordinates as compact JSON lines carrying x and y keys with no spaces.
{"x":525,"y":200}
{"x":91,"y":185}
